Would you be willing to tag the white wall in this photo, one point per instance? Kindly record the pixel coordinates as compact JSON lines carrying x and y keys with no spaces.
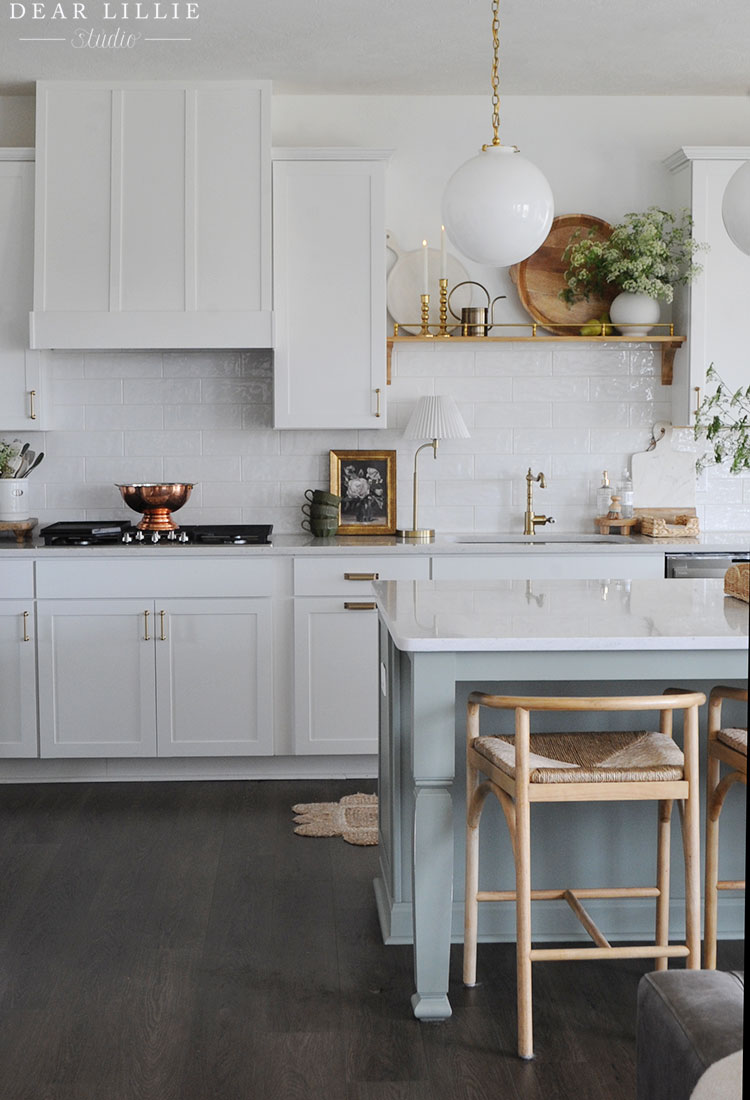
{"x":206,"y":416}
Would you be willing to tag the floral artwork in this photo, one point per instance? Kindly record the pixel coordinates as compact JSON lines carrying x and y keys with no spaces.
{"x":366,"y":483}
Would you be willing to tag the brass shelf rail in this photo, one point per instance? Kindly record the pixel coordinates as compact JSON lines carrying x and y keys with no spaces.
{"x":668,"y":341}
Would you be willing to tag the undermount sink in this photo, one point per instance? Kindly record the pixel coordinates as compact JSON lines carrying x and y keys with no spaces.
{"x":541,"y":540}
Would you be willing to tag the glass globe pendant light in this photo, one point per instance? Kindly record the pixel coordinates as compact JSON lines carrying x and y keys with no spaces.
{"x":735,"y":208}
{"x":497,"y":207}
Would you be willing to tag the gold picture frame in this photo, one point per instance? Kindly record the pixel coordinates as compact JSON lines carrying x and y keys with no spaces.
{"x":366,"y":483}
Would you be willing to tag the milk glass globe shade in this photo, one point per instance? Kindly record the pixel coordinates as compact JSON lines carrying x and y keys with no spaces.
{"x":498,"y":207}
{"x":735,"y":209}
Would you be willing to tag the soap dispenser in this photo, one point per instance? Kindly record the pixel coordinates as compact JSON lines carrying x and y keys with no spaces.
{"x":603,"y":495}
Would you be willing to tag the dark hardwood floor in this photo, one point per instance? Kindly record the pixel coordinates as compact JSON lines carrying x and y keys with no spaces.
{"x":176,"y":941}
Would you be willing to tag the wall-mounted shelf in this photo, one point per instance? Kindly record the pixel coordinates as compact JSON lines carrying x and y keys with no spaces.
{"x":669,"y":344}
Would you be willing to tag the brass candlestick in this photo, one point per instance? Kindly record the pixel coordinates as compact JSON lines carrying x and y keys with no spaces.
{"x":425,"y":315}
{"x":443,"y":330}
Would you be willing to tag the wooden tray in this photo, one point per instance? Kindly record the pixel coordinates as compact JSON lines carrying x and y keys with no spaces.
{"x":540,"y":278}
{"x":21,"y":528}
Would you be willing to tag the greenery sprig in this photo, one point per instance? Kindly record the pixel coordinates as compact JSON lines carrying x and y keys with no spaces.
{"x":723,"y":418}
{"x":9,"y":452}
{"x":647,"y":253}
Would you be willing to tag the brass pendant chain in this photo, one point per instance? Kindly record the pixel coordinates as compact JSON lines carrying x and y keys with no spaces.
{"x":495,"y":75}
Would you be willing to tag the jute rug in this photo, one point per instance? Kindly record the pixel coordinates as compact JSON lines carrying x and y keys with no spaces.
{"x":354,"y":817}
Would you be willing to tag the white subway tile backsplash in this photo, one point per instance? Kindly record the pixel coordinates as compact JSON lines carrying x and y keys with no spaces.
{"x":162,"y":443}
{"x":161,"y":391}
{"x":531,"y":441}
{"x":87,"y":391}
{"x":535,"y":388}
{"x":121,"y":364}
{"x":86,"y":444}
{"x":207,"y":416}
{"x":516,"y":414}
{"x":101,"y":417}
{"x":581,"y":414}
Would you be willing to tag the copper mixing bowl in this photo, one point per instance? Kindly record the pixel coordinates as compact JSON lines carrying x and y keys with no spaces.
{"x":157,"y":502}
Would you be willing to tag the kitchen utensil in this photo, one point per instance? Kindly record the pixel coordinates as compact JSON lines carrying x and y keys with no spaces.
{"x":664,"y":477}
{"x":540,"y":278}
{"x":157,"y":502}
{"x":26,"y":459}
{"x":405,"y":285}
{"x":13,"y":471}
{"x":475,"y":320}
{"x":33,"y":465}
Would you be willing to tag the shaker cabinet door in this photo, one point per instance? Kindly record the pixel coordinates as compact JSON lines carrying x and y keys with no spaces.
{"x":214,"y":690}
{"x":97,"y":679}
{"x":335,"y":675}
{"x":18,"y":735}
{"x":329,"y":292}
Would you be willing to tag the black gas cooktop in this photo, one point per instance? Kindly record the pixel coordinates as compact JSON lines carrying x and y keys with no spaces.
{"x":121,"y":532}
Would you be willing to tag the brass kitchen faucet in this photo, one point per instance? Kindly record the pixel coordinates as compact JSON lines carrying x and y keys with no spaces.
{"x":530,"y":521}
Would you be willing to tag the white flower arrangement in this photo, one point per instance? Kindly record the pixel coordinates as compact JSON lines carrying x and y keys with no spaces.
{"x":647,"y":253}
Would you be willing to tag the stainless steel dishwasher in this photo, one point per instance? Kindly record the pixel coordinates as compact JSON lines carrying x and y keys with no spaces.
{"x":710,"y":564}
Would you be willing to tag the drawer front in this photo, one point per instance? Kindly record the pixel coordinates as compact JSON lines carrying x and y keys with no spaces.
{"x":347,"y":575}
{"x":17,"y":580}
{"x":104,"y":578}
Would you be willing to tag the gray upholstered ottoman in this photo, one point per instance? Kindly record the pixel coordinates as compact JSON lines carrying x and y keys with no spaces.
{"x":687,"y":1020}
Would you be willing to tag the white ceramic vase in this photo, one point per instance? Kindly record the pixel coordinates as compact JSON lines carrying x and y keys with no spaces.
{"x":634,"y":314}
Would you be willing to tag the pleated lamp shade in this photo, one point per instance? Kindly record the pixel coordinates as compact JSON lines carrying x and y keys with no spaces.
{"x":436,"y":418}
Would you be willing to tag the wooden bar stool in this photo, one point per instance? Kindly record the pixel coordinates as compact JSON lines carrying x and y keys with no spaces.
{"x":582,"y":767}
{"x":726,"y":745}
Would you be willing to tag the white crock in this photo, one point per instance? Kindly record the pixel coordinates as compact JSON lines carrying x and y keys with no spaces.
{"x":634,"y":314}
{"x":14,"y":498}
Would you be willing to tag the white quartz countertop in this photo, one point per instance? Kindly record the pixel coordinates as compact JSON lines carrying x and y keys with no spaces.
{"x":469,"y":544}
{"x":559,"y":615}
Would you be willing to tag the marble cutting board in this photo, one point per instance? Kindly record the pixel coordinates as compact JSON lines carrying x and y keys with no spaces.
{"x":665,"y":476}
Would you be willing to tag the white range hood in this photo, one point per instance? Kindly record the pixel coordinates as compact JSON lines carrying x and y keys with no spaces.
{"x":152,"y":215}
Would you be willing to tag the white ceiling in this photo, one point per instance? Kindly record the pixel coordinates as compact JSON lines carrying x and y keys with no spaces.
{"x":430,"y":47}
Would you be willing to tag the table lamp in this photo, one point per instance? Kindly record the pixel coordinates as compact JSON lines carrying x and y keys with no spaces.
{"x":433,"y":418}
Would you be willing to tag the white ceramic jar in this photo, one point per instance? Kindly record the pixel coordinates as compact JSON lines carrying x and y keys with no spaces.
{"x":14,"y":498}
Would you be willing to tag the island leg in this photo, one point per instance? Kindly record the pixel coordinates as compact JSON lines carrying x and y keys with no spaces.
{"x":432,"y":714}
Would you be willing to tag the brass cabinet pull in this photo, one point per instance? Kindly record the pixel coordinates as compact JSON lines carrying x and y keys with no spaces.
{"x":361,"y":576}
{"x":147,"y":636}
{"x":366,"y":605}
{"x":377,"y":397}
{"x":162,"y":636}
{"x":697,"y":399}
{"x":26,"y":637}
{"x":32,"y":405}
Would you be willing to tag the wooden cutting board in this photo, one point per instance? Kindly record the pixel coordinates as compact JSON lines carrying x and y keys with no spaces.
{"x":540,"y":278}
{"x":664,"y":477}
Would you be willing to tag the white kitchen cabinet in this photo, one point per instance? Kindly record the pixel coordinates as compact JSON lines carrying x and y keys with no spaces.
{"x":97,"y":678}
{"x":336,"y":687}
{"x":711,"y":310}
{"x":158,"y":657}
{"x":329,"y":288}
{"x":18,"y":725}
{"x":153,"y":215}
{"x":214,"y":677}
{"x":22,"y":405}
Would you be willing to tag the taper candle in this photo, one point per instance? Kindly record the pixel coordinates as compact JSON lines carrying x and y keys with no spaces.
{"x":443,"y":255}
{"x":425,"y":270}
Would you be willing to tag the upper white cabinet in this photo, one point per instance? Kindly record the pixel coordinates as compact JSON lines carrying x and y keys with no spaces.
{"x":21,"y":370}
{"x":712,"y":310}
{"x":329,"y":288}
{"x":153,"y":215}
